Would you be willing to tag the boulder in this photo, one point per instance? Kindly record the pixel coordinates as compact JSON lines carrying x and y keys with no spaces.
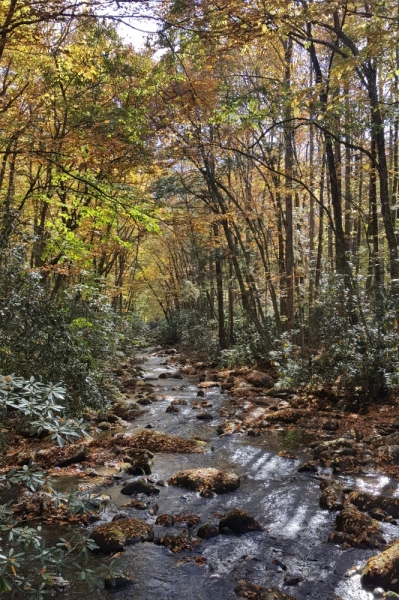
{"x":240,"y":522}
{"x":77,"y":457}
{"x":359,"y":529}
{"x":206,"y":479}
{"x":383,"y":570}
{"x":308,"y":467}
{"x":175,"y":540}
{"x":259,"y":379}
{"x":144,"y":401}
{"x":109,"y":538}
{"x":139,"y":486}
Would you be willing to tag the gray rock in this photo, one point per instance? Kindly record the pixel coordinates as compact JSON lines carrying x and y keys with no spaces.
{"x":139,"y":486}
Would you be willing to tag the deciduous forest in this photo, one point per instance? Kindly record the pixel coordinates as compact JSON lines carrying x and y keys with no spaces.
{"x":199,"y":289}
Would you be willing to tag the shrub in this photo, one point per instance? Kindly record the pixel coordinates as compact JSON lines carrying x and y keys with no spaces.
{"x":356,"y":347}
{"x":72,"y":337}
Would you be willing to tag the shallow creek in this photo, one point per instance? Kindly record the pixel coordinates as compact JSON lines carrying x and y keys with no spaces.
{"x":285,"y":502}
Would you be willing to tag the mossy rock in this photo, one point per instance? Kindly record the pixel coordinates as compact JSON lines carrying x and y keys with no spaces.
{"x":109,"y":538}
{"x":128,"y":411}
{"x":383,"y":570}
{"x":206,"y":479}
{"x":239,"y":522}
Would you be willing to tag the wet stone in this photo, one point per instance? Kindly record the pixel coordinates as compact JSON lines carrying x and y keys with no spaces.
{"x":118,"y":582}
{"x":144,"y":401}
{"x":240,"y":522}
{"x":137,"y":504}
{"x":207,"y":531}
{"x":205,"y":416}
{"x":140,"y":462}
{"x":389,"y":454}
{"x":175,"y":540}
{"x":172,"y":409}
{"x":380,"y":515}
{"x":119,"y":517}
{"x":139,"y":486}
{"x":128,"y":411}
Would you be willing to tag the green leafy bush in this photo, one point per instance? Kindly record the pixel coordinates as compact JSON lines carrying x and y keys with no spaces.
{"x":355,"y":344}
{"x":72,"y":337}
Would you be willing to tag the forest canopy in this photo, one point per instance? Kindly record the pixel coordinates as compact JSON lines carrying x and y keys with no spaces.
{"x":234,"y":182}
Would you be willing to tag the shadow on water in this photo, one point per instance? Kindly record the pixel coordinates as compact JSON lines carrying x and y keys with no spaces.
{"x":285,"y":502}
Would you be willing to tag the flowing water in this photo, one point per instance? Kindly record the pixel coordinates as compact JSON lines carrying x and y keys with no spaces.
{"x":285,"y":502}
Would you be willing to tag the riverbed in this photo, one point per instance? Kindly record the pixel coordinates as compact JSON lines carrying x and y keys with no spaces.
{"x":284,"y":502}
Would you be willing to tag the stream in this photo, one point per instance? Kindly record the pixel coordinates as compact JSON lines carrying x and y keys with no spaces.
{"x":284,"y":502}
